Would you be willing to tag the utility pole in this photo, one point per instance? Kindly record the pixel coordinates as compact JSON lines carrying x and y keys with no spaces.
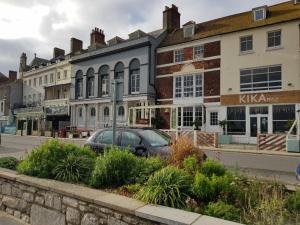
{"x":117,"y":96}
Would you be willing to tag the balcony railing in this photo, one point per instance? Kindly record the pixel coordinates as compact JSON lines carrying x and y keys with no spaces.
{"x":56,"y":102}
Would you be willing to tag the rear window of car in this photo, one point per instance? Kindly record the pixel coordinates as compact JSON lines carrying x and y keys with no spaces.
{"x":155,"y":139}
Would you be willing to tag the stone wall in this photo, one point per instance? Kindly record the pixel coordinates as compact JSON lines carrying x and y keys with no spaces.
{"x":48,"y":202}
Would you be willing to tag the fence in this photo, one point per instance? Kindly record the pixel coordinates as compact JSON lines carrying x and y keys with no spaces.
{"x":199,"y":138}
{"x":273,"y":142}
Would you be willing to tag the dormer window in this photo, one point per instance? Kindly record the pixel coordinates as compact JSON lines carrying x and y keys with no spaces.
{"x":189,"y":29}
{"x":260,"y":13}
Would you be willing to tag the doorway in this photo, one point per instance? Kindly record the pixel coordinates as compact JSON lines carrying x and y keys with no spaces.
{"x":258,"y":124}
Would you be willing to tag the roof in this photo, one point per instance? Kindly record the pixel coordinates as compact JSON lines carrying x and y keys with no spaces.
{"x":38,"y":61}
{"x":3,"y":78}
{"x":279,"y":13}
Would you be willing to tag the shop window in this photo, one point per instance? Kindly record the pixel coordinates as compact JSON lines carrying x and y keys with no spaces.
{"x":259,"y":110}
{"x":188,"y":86}
{"x":263,"y":78}
{"x":214,"y":118}
{"x":281,"y":115}
{"x":236,"y":118}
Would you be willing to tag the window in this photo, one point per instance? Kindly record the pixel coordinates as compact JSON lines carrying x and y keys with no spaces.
{"x":134,"y":76}
{"x":274,"y":39}
{"x":2,"y":107}
{"x":79,"y":84}
{"x":178,"y":55}
{"x":198,"y":52}
{"x":188,"y":115}
{"x":25,"y":82}
{"x":236,"y":117}
{"x":90,"y":82}
{"x":214,"y":119}
{"x":29,"y":99}
{"x":45,"y":79}
{"x":40,"y":81}
{"x":189,"y":30}
{"x":40,"y":98}
{"x":51,"y":78}
{"x":119,"y":74}
{"x":106,"y":137}
{"x":246,"y":43}
{"x":58,"y":75}
{"x":281,"y":115}
{"x":130,"y":139}
{"x":65,"y":74}
{"x":104,"y":81}
{"x":25,"y":100}
{"x":34,"y":82}
{"x":80,"y":117}
{"x":263,"y":78}
{"x":106,"y":114}
{"x":121,"y":111}
{"x":296,"y":1}
{"x":35,"y":123}
{"x":29,"y":83}
{"x":259,"y":14}
{"x":92,"y":117}
{"x":34,"y":98}
{"x":188,"y":86}
{"x":80,"y":112}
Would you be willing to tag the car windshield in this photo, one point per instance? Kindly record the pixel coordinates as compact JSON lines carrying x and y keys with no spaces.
{"x":154,"y":138}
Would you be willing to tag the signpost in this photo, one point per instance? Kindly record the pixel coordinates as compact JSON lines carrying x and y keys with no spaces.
{"x":117,"y":96}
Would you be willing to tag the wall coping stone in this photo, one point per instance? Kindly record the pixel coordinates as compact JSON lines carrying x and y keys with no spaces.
{"x":156,"y":213}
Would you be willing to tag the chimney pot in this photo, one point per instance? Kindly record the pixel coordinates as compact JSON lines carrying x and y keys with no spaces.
{"x":171,"y":18}
{"x":97,"y":37}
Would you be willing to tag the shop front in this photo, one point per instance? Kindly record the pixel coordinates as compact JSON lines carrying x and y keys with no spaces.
{"x":260,"y":113}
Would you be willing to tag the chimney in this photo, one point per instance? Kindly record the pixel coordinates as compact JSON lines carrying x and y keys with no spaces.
{"x":171,"y":18}
{"x":76,"y":45}
{"x":23,"y":62}
{"x":58,"y":52}
{"x":97,"y":37}
{"x":12,"y":75}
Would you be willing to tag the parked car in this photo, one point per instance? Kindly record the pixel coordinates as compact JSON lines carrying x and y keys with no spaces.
{"x":140,"y":141}
{"x":75,"y":132}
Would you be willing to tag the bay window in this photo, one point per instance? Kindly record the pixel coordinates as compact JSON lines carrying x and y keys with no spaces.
{"x":188,"y":86}
{"x":186,"y":116}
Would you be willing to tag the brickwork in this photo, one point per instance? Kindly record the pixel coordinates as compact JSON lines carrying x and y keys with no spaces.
{"x":165,"y":58}
{"x":212,"y":49}
{"x":212,"y":83}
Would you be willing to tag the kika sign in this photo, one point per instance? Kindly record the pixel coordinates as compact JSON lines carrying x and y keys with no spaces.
{"x":257,"y":98}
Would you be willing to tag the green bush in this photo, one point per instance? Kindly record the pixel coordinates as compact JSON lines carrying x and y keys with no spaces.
{"x":8,"y":162}
{"x":191,"y":164}
{"x":114,"y":168}
{"x":292,"y":203}
{"x":202,"y":188}
{"x":223,"y":211}
{"x":210,"y":167}
{"x":169,"y":186}
{"x":146,"y":167}
{"x":44,"y":159}
{"x":223,"y":188}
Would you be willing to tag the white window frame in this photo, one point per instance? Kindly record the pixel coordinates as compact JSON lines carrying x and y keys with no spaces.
{"x":179,"y":54}
{"x":214,"y":118}
{"x":135,"y":81}
{"x":106,"y":85}
{"x":200,"y":52}
{"x":51,"y":78}
{"x":247,"y":50}
{"x":185,"y":32}
{"x":275,"y":46}
{"x":40,"y":81}
{"x":179,"y":91}
{"x":180,"y":115}
{"x":257,"y":10}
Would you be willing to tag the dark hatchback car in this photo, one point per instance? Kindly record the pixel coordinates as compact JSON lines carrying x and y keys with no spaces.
{"x":140,"y":141}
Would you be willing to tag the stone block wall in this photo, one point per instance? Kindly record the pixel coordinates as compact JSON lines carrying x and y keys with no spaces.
{"x":48,"y":202}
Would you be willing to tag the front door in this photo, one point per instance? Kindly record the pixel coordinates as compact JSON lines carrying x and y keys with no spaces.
{"x":258,"y":124}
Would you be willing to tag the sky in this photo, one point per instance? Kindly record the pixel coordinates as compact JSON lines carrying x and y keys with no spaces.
{"x":37,"y":26}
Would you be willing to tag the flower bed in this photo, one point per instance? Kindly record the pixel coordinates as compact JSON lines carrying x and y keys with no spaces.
{"x":186,"y":181}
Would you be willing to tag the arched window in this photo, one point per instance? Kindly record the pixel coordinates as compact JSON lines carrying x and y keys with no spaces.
{"x":79,"y":84}
{"x":90,"y":82}
{"x":119,"y":71}
{"x":80,"y":117}
{"x":92,"y":117}
{"x":106,"y":114}
{"x":134,"y":76}
{"x":121,"y":111}
{"x":104,"y":81}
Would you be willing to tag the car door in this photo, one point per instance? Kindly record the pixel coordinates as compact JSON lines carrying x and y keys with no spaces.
{"x":104,"y":140}
{"x":131,"y":141}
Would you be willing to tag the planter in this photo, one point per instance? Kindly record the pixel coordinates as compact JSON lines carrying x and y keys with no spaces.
{"x":293,"y":145}
{"x":225,"y":139}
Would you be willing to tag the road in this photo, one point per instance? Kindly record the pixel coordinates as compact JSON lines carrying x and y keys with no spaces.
{"x":279,"y":167}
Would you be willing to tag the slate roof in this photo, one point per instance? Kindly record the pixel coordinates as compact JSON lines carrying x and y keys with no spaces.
{"x":38,"y":61}
{"x":278,"y":13}
{"x":3,"y":78}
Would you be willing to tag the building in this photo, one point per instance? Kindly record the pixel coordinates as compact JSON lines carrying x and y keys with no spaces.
{"x":131,"y":61}
{"x":260,"y":70}
{"x":243,"y":69}
{"x":46,"y":91}
{"x":10,"y":95}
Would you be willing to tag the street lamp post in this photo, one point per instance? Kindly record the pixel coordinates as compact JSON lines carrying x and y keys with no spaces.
{"x":116,"y":97}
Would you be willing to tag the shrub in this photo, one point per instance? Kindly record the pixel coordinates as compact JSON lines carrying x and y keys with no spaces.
{"x":223,"y":211}
{"x":44,"y":159}
{"x":223,"y":188}
{"x":169,"y":186}
{"x":210,"y":167}
{"x":74,"y":168}
{"x":8,"y":162}
{"x":114,"y":168}
{"x":129,"y":189}
{"x":292,"y":203}
{"x":202,"y":188}
{"x":146,"y":167}
{"x":181,"y":149}
{"x":191,"y":165}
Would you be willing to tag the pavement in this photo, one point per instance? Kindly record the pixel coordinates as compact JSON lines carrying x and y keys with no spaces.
{"x":10,"y":220}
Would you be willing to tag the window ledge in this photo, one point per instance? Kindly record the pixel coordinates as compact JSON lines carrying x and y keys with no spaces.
{"x":274,"y":48}
{"x":247,"y":52}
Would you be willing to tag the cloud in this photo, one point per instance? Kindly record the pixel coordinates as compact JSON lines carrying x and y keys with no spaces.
{"x":39,"y":25}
